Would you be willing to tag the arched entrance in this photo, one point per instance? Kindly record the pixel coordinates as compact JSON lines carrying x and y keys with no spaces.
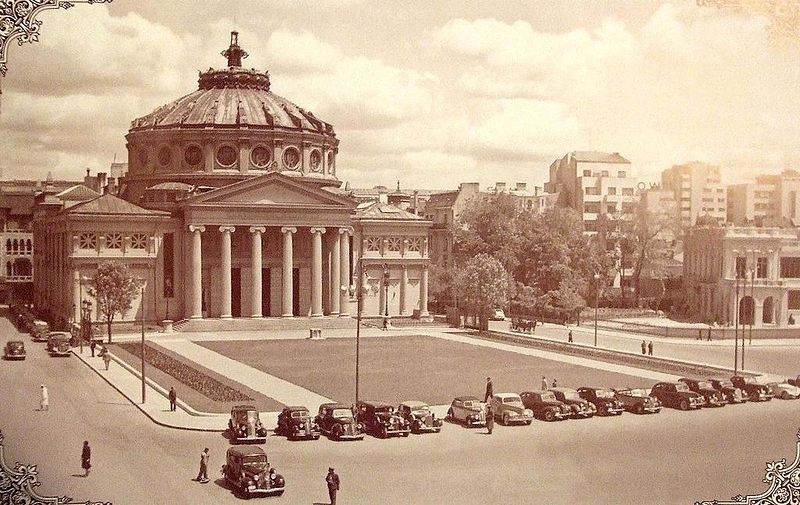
{"x":769,"y":311}
{"x":746,"y":310}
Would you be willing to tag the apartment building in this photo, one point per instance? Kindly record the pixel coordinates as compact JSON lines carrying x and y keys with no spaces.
{"x":699,"y":191}
{"x":772,"y":198}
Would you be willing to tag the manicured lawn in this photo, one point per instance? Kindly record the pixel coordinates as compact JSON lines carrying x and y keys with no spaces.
{"x":398,"y":368}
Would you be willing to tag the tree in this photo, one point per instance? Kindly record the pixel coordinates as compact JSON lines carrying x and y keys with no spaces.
{"x":441,"y":285}
{"x":488,"y":226}
{"x":483,"y":285}
{"x":650,"y":238}
{"x":114,"y":288}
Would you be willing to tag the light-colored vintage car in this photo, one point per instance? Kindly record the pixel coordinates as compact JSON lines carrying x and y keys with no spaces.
{"x":508,"y":409}
{"x":420,"y":417}
{"x":245,"y":425}
{"x":638,"y":401}
{"x":39,"y":330}
{"x":467,"y":410}
{"x":780,"y":389}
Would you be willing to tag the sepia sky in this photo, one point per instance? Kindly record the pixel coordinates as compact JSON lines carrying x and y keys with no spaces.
{"x":428,"y":93}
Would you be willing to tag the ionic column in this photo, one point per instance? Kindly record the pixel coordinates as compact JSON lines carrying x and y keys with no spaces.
{"x":288,"y":267}
{"x":226,"y":270}
{"x":423,"y":293}
{"x":255,"y":267}
{"x":403,"y":282}
{"x":336,"y":275}
{"x":197,"y":271}
{"x":316,"y":271}
{"x":344,"y":267}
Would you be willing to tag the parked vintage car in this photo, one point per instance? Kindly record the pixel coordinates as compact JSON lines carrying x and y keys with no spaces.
{"x":731,"y":393}
{"x":248,"y":472}
{"x":782,"y":390}
{"x":380,"y":420}
{"x":755,"y":392}
{"x":58,"y":343}
{"x":712,"y":397}
{"x":296,"y":423}
{"x":420,"y":417}
{"x":509,"y":409}
{"x":245,"y":425}
{"x":336,"y":421}
{"x":604,"y":399}
{"x":468,"y":410}
{"x":544,"y":405}
{"x":581,"y":409}
{"x":638,"y":401}
{"x":39,"y":330}
{"x":14,"y":349}
{"x":677,"y":395}
{"x":498,"y":315}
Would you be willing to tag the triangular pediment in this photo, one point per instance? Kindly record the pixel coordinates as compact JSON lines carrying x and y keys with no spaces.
{"x":272,"y":189}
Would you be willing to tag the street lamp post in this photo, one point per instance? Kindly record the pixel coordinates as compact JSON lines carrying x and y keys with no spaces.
{"x":142,"y":311}
{"x":359,"y":302}
{"x":596,"y":297}
{"x":736,"y":332}
{"x":386,"y":295}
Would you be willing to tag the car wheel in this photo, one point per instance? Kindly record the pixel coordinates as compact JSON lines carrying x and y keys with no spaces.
{"x":405,"y":434}
{"x":505,"y":419}
{"x":337,"y":433}
{"x":449,"y":415}
{"x":549,"y":415}
{"x":684,"y":405}
{"x":528,"y":423}
{"x":640,"y":409}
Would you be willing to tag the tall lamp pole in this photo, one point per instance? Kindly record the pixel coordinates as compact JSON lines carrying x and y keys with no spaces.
{"x":359,"y":302}
{"x":736,"y":332}
{"x":142,"y":305}
{"x":596,"y":297}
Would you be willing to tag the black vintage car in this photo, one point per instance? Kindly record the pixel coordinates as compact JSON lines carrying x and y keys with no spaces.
{"x":248,"y":472}
{"x":380,"y":419}
{"x":604,"y":399}
{"x":15,"y":349}
{"x":731,"y":393}
{"x":638,"y":401}
{"x":337,"y":422}
{"x":296,"y":423}
{"x":420,"y":417}
{"x":245,"y":425}
{"x":755,"y":392}
{"x":677,"y":395}
{"x":545,"y":406}
{"x":712,"y":397}
{"x":581,"y":409}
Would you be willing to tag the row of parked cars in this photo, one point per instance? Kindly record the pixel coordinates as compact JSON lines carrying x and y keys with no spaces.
{"x":58,"y":342}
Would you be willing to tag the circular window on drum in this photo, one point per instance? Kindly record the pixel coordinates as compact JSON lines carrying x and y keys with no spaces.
{"x":193,"y":155}
{"x":260,"y":157}
{"x":164,"y":156}
{"x":226,"y":156}
{"x":315,"y":160}
{"x":330,"y":162}
{"x":291,"y":158}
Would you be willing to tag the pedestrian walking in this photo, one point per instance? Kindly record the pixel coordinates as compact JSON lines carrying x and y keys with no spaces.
{"x":489,"y":418}
{"x":333,"y":485}
{"x":86,"y":458}
{"x":544,"y":382}
{"x":569,"y":337}
{"x":106,"y":357}
{"x":92,"y":346}
{"x":489,"y":389}
{"x":555,"y":383}
{"x":45,"y":404}
{"x":173,"y":397}
{"x":202,"y":475}
{"x":644,"y":347}
{"x":650,"y":348}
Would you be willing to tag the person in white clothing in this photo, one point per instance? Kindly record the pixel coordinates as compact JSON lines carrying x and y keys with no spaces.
{"x":45,"y":399}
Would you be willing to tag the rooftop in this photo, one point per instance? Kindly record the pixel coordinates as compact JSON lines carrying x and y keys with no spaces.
{"x":598,"y":157}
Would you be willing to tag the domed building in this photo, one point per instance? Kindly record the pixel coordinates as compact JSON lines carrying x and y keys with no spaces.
{"x":231,"y":209}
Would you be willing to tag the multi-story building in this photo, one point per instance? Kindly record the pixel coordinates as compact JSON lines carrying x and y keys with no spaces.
{"x":767,"y":258}
{"x":698,"y":190}
{"x":772,"y":198}
{"x":595,"y":184}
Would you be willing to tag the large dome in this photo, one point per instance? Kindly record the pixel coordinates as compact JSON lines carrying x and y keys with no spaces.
{"x":231,"y":128}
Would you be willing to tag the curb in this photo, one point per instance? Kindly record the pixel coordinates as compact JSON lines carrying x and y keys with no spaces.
{"x":138,"y":406}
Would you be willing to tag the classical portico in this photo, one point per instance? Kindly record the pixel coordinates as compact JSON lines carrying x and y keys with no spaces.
{"x":272,"y":225}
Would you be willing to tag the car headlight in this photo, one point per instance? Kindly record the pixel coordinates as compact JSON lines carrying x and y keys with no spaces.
{"x":302,"y":425}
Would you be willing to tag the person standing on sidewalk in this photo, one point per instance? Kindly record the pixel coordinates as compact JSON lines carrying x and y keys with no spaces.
{"x":45,"y":403}
{"x":544,"y":383}
{"x":92,"y":347}
{"x":650,"y":348}
{"x":333,"y":485}
{"x":644,"y":347}
{"x":489,"y":389}
{"x":555,"y":383}
{"x":86,"y":458}
{"x":173,"y":397}
{"x":202,"y":475}
{"x":569,"y":336}
{"x":106,"y":357}
{"x":489,"y":418}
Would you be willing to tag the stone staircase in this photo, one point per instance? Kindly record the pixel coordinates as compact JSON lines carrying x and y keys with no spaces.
{"x":264,"y":324}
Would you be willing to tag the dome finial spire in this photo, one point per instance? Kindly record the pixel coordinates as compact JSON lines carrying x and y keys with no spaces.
{"x":234,"y":53}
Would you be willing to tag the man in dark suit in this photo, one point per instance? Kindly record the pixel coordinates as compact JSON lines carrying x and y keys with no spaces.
{"x":489,"y":389}
{"x":333,"y":485}
{"x":173,"y":398}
